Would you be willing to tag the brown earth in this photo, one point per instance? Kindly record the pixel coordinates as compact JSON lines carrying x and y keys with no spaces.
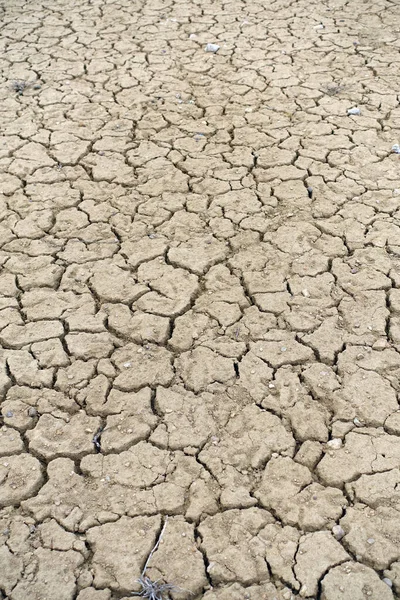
{"x":200,"y":299}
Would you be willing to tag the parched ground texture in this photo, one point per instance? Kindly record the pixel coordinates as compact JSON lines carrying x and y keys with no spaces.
{"x":200,"y":299}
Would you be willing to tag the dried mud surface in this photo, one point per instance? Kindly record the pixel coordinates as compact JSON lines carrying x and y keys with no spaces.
{"x":200,"y":299}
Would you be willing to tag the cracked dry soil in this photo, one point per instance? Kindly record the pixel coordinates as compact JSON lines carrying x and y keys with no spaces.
{"x":200,"y":299}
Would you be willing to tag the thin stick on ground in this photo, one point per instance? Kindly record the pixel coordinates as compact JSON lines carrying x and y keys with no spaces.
{"x":155,"y":547}
{"x":154,"y":590}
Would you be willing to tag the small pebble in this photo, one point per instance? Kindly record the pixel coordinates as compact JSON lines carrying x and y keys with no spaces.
{"x":212,"y":48}
{"x":357,"y":422}
{"x":371,"y":541}
{"x":338,"y":532}
{"x":388,"y":581}
{"x":354,"y":111}
{"x":335,"y":443}
{"x":396,"y":148}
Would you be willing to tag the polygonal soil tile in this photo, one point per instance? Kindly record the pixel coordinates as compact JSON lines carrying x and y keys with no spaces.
{"x":142,"y":366}
{"x":16,"y":336}
{"x":73,"y":438}
{"x":364,"y":316}
{"x":287,"y":489}
{"x":354,"y":581}
{"x":100,"y":400}
{"x":281,"y":545}
{"x":309,"y":420}
{"x":45,"y":303}
{"x":143,"y":250}
{"x":10,"y":441}
{"x":317,"y":553}
{"x":25,"y":370}
{"x":172,"y":289}
{"x":243,"y":450}
{"x":89,"y":345}
{"x":264,"y":591}
{"x":326,"y":341}
{"x":377,"y":490}
{"x":234,"y":547}
{"x":126,"y":429}
{"x":20,"y":477}
{"x":142,"y":466}
{"x":120,"y":550}
{"x":21,"y":398}
{"x":50,"y":353}
{"x":116,"y":285}
{"x":367,"y":396}
{"x":186,"y":418}
{"x":11,"y":567}
{"x":198,"y":255}
{"x":385,"y":362}
{"x":201,"y":367}
{"x":286,"y":351}
{"x":51,"y":568}
{"x":54,"y":537}
{"x":186,"y":571}
{"x":372,"y":534}
{"x":365,"y":451}
{"x":138,"y":326}
{"x":191,"y":328}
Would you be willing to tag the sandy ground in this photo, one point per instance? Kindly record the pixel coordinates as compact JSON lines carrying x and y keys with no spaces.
{"x":200,"y":299}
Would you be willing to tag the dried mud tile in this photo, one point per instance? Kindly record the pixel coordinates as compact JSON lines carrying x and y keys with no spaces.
{"x":73,"y":438}
{"x":51,"y":567}
{"x":235,"y":591}
{"x":318,"y":552}
{"x":142,"y":366}
{"x":11,"y":569}
{"x":234,"y":547}
{"x":281,"y":545}
{"x":141,"y":466}
{"x":137,"y":326}
{"x":186,"y":571}
{"x":16,"y":336}
{"x":354,"y":581}
{"x":89,"y":345}
{"x":187,"y":418}
{"x":372,"y":534}
{"x":198,"y":255}
{"x":200,"y":367}
{"x":116,"y":285}
{"x":120,"y":550}
{"x":364,"y":452}
{"x":295,"y":499}
{"x":20,"y":477}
